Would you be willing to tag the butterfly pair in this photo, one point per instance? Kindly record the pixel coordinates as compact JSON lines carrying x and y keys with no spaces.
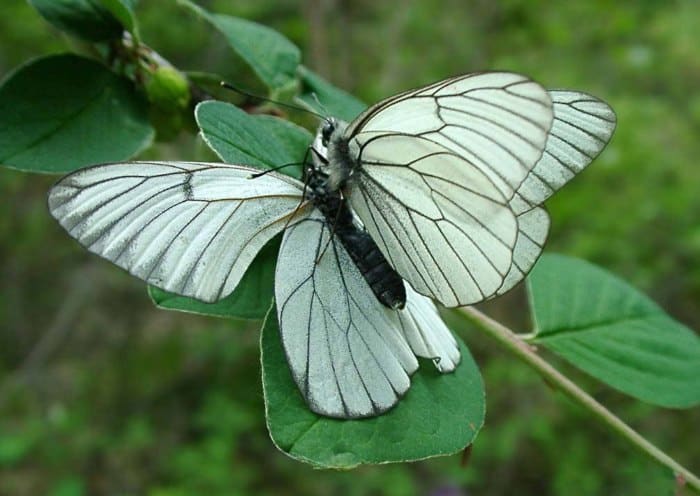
{"x":447,"y":181}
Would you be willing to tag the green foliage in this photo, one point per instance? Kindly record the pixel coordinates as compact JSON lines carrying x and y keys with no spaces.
{"x":86,"y":115}
{"x":256,"y":140}
{"x":272,"y":56}
{"x":440,"y":415}
{"x":612,"y":331}
{"x":123,"y":11}
{"x":87,"y":19}
{"x":133,"y":404}
{"x":333,"y":100}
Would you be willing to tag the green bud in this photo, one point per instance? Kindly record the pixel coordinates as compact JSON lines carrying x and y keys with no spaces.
{"x":168,"y":89}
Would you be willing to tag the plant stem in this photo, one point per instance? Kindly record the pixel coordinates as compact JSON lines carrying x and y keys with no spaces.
{"x":528,"y":355}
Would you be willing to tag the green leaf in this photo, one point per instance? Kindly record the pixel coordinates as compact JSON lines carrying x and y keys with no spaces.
{"x":271,"y":56}
{"x":256,"y":140}
{"x":86,"y":19}
{"x":123,"y":11}
{"x":334,"y":100}
{"x":250,"y":300}
{"x":610,"y":330}
{"x":63,"y":112}
{"x":440,"y":415}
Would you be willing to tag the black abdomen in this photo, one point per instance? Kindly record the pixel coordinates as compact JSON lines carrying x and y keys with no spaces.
{"x":385,"y":282}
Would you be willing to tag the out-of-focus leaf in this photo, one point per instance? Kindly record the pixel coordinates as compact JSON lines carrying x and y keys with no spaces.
{"x":123,"y":11}
{"x":338,"y":102}
{"x":256,"y":140}
{"x":440,"y":415}
{"x":86,"y":19}
{"x":63,"y":112}
{"x":271,"y":55}
{"x":250,"y":300}
{"x":609,"y":329}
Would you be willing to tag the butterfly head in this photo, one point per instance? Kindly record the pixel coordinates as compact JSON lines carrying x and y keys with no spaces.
{"x":327,"y":129}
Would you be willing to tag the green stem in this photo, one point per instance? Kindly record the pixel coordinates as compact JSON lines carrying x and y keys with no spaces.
{"x":528,"y":355}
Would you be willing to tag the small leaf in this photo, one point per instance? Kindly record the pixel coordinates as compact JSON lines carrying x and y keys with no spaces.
{"x":86,"y":19}
{"x":271,"y":55}
{"x":440,"y":415}
{"x":250,"y":300}
{"x":123,"y":11}
{"x":256,"y":140}
{"x":332,"y":99}
{"x":610,"y":330}
{"x":63,"y":112}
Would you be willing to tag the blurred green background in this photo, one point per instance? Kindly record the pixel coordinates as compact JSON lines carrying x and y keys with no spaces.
{"x":100,"y":393}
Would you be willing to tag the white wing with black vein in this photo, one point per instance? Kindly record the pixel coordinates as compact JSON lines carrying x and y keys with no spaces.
{"x":582,"y":127}
{"x":438,"y":219}
{"x":188,"y":228}
{"x":533,"y":227}
{"x":347,"y":352}
{"x":497,"y":121}
{"x":426,"y":333}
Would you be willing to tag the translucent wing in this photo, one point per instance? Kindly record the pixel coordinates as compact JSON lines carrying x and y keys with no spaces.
{"x":436,"y":169}
{"x":581,"y":128}
{"x":188,"y":228}
{"x":533,"y":226}
{"x":346,"y":351}
{"x":426,"y":333}
{"x":497,"y":121}
{"x":439,"y":220}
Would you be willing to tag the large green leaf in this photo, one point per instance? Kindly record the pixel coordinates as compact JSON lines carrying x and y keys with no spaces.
{"x":86,"y":19}
{"x":272,"y":56}
{"x":63,"y":112}
{"x":607,"y":328}
{"x":440,"y":415}
{"x":333,"y":100}
{"x":256,"y":140}
{"x":250,"y":300}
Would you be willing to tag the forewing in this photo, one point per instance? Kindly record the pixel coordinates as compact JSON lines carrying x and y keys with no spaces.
{"x":439,"y":220}
{"x":496,"y":121}
{"x":582,"y":127}
{"x":426,"y":333}
{"x":346,"y":351}
{"x":188,"y":228}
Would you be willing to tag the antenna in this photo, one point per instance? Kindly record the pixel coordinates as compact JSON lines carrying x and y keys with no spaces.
{"x":273,"y":169}
{"x":231,"y":87}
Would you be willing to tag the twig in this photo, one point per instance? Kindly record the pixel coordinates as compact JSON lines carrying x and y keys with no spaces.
{"x":527,"y":354}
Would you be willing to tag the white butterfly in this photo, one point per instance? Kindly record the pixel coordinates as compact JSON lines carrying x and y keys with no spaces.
{"x":194,"y":228}
{"x":447,"y":180}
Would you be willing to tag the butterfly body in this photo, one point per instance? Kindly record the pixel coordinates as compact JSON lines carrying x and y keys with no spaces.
{"x":385,"y":282}
{"x":338,"y":162}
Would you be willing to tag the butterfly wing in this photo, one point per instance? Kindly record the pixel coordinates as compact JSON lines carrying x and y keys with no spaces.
{"x":346,"y":351}
{"x":497,"y":121}
{"x":581,"y":128}
{"x":426,"y":333}
{"x":533,"y":226}
{"x":188,"y":228}
{"x":438,"y":219}
{"x":415,"y":151}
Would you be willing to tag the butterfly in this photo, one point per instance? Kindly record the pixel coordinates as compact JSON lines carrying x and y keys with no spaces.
{"x":433,"y":193}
